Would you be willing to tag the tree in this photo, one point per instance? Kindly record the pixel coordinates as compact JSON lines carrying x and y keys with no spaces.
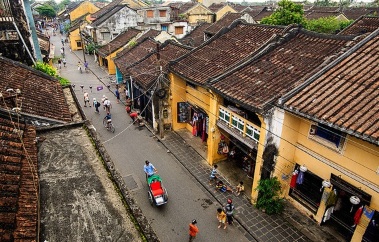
{"x":268,"y":196}
{"x":287,"y":13}
{"x":329,"y":25}
{"x":46,"y":11}
{"x":62,"y":5}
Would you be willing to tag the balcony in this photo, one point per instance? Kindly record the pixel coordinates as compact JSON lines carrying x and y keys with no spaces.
{"x":238,"y":126}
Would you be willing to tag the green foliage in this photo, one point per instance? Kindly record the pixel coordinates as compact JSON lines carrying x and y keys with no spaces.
{"x":329,"y":25}
{"x":51,"y":71}
{"x":325,"y":3}
{"x":287,"y":13}
{"x":46,"y":11}
{"x":132,"y":43}
{"x":268,"y":196}
{"x":62,"y":5}
{"x":66,"y":27}
{"x":91,"y":47}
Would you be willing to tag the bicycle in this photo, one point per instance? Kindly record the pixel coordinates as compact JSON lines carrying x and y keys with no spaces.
{"x":108,"y":124}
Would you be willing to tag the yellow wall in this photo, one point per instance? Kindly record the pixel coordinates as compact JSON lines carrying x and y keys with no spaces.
{"x":223,"y":11}
{"x":199,"y":13}
{"x":83,"y":8}
{"x":357,"y":157}
{"x":74,"y":37}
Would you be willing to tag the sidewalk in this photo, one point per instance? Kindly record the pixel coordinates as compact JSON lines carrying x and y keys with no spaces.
{"x":256,"y":225}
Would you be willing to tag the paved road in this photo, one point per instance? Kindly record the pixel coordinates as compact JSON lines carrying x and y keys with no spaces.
{"x":129,"y":147}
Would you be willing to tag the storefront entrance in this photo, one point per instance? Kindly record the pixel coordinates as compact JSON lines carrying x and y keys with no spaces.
{"x":196,"y":117}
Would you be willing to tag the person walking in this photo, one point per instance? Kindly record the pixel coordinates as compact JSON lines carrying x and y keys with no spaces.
{"x":221,"y":217}
{"x":213,"y":174}
{"x":86,"y":99}
{"x":64,"y":62}
{"x":107,"y":105}
{"x":59,"y":63}
{"x":193,"y":230}
{"x":229,"y":211}
{"x":96,"y":104}
{"x":117,"y":92}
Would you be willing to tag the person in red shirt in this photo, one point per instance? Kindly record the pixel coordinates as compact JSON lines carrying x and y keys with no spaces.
{"x":193,"y":230}
{"x":134,"y":115}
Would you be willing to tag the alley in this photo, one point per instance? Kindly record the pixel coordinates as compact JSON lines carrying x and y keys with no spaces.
{"x":128,"y":146}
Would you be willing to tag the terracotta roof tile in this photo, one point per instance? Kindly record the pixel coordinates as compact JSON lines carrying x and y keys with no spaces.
{"x":150,"y":33}
{"x":41,"y":94}
{"x":135,"y":54}
{"x":187,"y":6}
{"x":238,"y":7}
{"x":196,"y":36}
{"x":286,"y":61}
{"x":325,"y":9}
{"x":18,"y":182}
{"x":214,"y":7}
{"x":106,"y":9}
{"x":264,"y":13}
{"x":316,"y":14}
{"x":146,"y":72}
{"x":362,"y":25}
{"x":225,"y":21}
{"x":220,"y":52}
{"x":346,"y":95}
{"x":120,"y":41}
{"x":355,"y":13}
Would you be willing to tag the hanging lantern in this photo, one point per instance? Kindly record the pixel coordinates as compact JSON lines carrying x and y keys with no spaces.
{"x":303,"y":168}
{"x":326,"y":183}
{"x":354,"y":200}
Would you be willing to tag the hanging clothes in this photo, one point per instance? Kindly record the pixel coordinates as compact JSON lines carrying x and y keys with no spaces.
{"x":358,"y":215}
{"x":294,"y":178}
{"x":332,"y":199}
{"x":327,"y":214}
{"x":300,"y":178}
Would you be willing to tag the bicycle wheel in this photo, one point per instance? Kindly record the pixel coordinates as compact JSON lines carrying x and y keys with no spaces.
{"x":111,"y":128}
{"x":105,"y":123}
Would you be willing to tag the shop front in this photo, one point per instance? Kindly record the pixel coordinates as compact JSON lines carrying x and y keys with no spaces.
{"x":142,"y":102}
{"x":194,"y":116}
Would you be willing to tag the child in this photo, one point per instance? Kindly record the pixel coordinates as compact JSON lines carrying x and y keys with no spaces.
{"x":64,"y":62}
{"x":213,"y":176}
{"x":240,"y":188}
{"x":221,"y":217}
{"x":222,"y":187}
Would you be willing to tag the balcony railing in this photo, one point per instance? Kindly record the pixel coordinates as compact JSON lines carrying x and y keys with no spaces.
{"x":235,"y":121}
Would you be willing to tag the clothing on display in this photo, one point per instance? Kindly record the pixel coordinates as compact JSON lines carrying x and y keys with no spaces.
{"x":300,"y":178}
{"x":358,"y":215}
{"x":294,"y":178}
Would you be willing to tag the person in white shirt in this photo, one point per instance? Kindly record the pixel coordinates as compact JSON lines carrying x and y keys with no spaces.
{"x":107,"y":105}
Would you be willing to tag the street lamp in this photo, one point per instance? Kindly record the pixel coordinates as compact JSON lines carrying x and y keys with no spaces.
{"x":81,"y":40}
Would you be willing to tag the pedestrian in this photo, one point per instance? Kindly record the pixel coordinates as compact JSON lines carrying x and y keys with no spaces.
{"x":107,"y":105}
{"x":149,"y":169}
{"x":103,"y":100}
{"x":221,"y":217}
{"x":229,"y":211}
{"x":213,"y":176}
{"x":59,"y":63}
{"x":64,"y":62}
{"x":86,"y":99}
{"x":240,"y":188}
{"x":193,"y":230}
{"x":96,"y":104}
{"x":62,"y":40}
{"x":117,"y":92}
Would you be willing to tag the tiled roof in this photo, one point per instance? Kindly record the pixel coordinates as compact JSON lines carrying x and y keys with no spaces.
{"x":118,"y":42}
{"x":187,"y":6}
{"x":214,"y":7}
{"x":134,"y":54}
{"x":146,"y":72}
{"x":238,"y":7}
{"x":281,"y":65}
{"x":220,"y":52}
{"x":151,"y":33}
{"x":345,"y":95}
{"x":316,"y":14}
{"x":18,"y":181}
{"x":100,"y":19}
{"x":225,"y":21}
{"x":41,"y":95}
{"x":355,"y":13}
{"x":325,"y":9}
{"x":196,"y":36}
{"x":44,"y":44}
{"x":264,"y":13}
{"x":362,"y":25}
{"x":106,"y":9}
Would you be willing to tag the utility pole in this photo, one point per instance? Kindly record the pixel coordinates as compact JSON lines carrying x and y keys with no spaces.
{"x":160,"y":101}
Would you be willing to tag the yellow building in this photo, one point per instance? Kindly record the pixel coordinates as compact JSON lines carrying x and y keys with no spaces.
{"x":74,"y":33}
{"x":196,"y":13}
{"x":107,"y":52}
{"x":81,"y":9}
{"x":328,"y":158}
{"x":222,"y":11}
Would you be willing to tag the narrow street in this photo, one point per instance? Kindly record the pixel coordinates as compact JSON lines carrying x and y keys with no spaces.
{"x":129,"y":147}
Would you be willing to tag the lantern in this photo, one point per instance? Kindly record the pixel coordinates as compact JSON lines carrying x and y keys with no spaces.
{"x":355,"y":201}
{"x":303,"y":168}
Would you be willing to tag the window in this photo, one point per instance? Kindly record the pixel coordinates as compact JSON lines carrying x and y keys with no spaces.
{"x":184,"y":111}
{"x":164,"y":28}
{"x":179,"y":30}
{"x":327,"y":135}
{"x":106,"y":35}
{"x":149,"y":13}
{"x":162,"y":13}
{"x":78,"y":44}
